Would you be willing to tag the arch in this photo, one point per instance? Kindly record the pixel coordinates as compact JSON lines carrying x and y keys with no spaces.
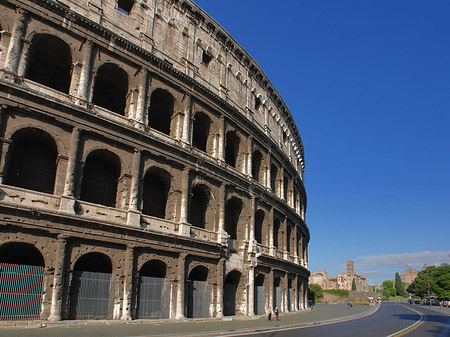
{"x":199,"y":203}
{"x":231,"y":148}
{"x":259,"y":222}
{"x":153,"y":291}
{"x":289,"y":234}
{"x":256,"y":165}
{"x":155,"y":192}
{"x":276,"y":233}
{"x":33,"y":157}
{"x":50,"y":62}
{"x":260,"y":295}
{"x":233,"y":210}
{"x":21,"y":281}
{"x":160,"y":110}
{"x":230,"y":287}
{"x":100,"y":178}
{"x":92,"y":288}
{"x":289,"y":296}
{"x":200,"y":131}
{"x":273,"y":178}
{"x":111,"y":88}
{"x":277,"y":293}
{"x":198,"y":293}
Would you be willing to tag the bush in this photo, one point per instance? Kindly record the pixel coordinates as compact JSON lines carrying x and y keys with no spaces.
{"x":337,"y":292}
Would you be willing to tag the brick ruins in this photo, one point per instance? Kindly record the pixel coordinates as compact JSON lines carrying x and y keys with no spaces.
{"x":148,"y":168}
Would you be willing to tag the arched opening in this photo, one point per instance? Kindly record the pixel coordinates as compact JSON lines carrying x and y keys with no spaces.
{"x":155,"y":192}
{"x":200,"y":131}
{"x":256,"y":165}
{"x":273,"y":178}
{"x":229,"y":292}
{"x":153,"y":291}
{"x":277,"y":293}
{"x":21,"y":280}
{"x":285,"y":188}
{"x":231,"y":148}
{"x":50,"y":62}
{"x":100,"y":178}
{"x":33,"y":160}
{"x":111,"y":87}
{"x":259,"y":220}
{"x":233,"y":210}
{"x":276,"y":233}
{"x":160,"y":110}
{"x":260,"y":295}
{"x":289,"y":231}
{"x":289,"y":296}
{"x":199,"y":205}
{"x":92,"y":288}
{"x":198,"y":293}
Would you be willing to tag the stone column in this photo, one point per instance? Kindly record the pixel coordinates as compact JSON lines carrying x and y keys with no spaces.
{"x":296,"y":244}
{"x":86,"y":72}
{"x":271,"y":229}
{"x":285,"y":303}
{"x":128,"y":284}
{"x":222,"y":200}
{"x":221,"y":153}
{"x":249,"y":156}
{"x":268,"y":161}
{"x":181,"y":285}
{"x":184,"y":228}
{"x":15,"y":43}
{"x":251,"y":291}
{"x":58,"y":279}
{"x":220,"y":280}
{"x":296,"y":293}
{"x":68,"y":197}
{"x":141,"y":115}
{"x":186,"y":137}
{"x":282,"y":187}
{"x":133,"y":216}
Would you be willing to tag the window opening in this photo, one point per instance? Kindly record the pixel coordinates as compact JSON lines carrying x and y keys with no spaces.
{"x":125,"y":6}
{"x":206,"y":58}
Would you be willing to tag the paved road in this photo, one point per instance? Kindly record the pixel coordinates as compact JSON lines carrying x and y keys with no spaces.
{"x":391,"y":320}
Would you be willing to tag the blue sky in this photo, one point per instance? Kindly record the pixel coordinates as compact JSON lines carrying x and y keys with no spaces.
{"x":368,"y":84}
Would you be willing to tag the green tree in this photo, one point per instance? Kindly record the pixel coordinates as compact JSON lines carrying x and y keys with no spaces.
{"x":433,"y":279}
{"x":388,"y":288}
{"x":398,"y":285}
{"x":315,"y":292}
{"x":354,"y":285}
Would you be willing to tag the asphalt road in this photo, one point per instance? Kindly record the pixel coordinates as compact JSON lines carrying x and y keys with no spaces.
{"x":390,"y":320}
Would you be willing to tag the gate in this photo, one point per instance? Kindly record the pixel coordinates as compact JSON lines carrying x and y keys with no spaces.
{"x":91,"y":295}
{"x":277,"y":297}
{"x":20,"y":291}
{"x":198,"y":299}
{"x":154,"y":297}
{"x":289,"y":299}
{"x":229,"y":299}
{"x":260,"y":300}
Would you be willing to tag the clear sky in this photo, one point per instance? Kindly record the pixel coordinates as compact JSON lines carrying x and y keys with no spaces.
{"x":368,"y":84}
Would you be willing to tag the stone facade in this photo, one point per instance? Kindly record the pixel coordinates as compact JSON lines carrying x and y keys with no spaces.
{"x":142,"y":145}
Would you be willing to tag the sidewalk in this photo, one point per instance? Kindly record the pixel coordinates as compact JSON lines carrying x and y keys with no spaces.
{"x":322,"y":313}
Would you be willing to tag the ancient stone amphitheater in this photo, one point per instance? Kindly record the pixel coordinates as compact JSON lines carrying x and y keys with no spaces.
{"x":148,"y":169}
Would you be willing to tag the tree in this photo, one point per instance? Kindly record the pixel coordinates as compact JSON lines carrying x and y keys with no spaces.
{"x":354,"y":285}
{"x":398,"y":285}
{"x":315,"y":292}
{"x":388,"y":289}
{"x":433,"y":280}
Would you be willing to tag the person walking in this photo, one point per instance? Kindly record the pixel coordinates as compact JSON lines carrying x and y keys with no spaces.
{"x":276,"y":312}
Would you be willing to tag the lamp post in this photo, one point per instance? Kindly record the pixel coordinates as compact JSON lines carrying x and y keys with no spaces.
{"x":428,"y":283}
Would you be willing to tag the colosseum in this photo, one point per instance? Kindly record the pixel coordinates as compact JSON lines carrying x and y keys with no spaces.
{"x":148,"y":170}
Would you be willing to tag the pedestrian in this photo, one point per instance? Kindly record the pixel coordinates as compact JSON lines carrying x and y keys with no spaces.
{"x":276,"y":312}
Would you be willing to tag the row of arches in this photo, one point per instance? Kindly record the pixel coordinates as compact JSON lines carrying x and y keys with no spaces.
{"x":50,"y":63}
{"x":33,"y":160}
{"x":92,"y":288}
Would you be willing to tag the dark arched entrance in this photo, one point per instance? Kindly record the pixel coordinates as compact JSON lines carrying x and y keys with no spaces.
{"x":92,"y":288}
{"x":260,"y":295}
{"x":198,"y":293}
{"x":21,"y":279}
{"x":229,"y":292}
{"x":153,"y":291}
{"x":277,"y":293}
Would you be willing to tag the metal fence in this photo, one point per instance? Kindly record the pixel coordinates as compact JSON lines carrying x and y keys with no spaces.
{"x":20,"y":291}
{"x":260,"y":300}
{"x":198,"y":299}
{"x":154,"y":297}
{"x":91,"y":295}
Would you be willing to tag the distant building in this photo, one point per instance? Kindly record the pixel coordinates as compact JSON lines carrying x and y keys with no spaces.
{"x":342,"y":281}
{"x":409,"y":276}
